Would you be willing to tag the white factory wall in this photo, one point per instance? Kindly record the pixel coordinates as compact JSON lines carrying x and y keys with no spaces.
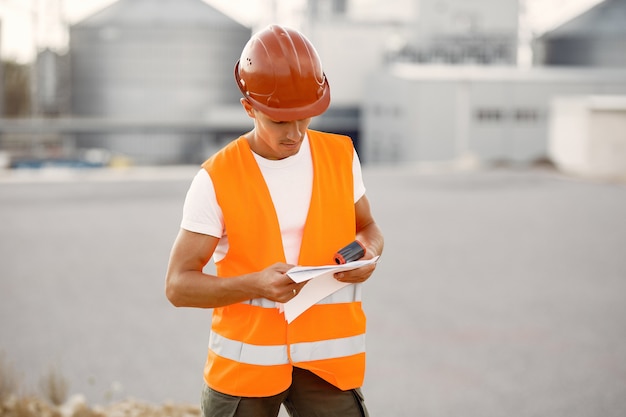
{"x":587,"y":135}
{"x":427,"y":113}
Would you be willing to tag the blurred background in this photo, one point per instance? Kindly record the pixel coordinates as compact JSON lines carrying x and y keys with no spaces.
{"x":493,"y":140}
{"x":149,"y":82}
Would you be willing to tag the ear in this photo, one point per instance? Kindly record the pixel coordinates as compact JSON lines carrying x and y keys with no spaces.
{"x":247,"y":107}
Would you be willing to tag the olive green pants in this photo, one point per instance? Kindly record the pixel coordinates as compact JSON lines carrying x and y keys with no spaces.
{"x":308,"y":396}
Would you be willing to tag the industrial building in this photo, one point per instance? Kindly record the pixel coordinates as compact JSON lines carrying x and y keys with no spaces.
{"x":422,"y":112}
{"x":425,"y":113}
{"x":149,"y":60}
{"x":596,"y":38}
{"x":152,"y":80}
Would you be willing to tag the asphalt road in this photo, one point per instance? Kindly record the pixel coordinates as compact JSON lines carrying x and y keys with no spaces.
{"x":500,"y":293}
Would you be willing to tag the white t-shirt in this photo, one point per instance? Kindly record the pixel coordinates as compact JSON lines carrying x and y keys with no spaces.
{"x":290,"y":182}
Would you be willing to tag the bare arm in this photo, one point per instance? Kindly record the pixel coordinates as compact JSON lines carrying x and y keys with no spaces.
{"x":370,"y":235}
{"x":187,"y":286}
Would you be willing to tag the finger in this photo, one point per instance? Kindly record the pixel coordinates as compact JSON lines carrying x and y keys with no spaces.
{"x":352,"y":277}
{"x":296,"y":288}
{"x":350,"y":274}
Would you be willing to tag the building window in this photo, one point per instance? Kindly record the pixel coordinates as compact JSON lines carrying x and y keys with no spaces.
{"x":489,"y":115}
{"x":526,"y":115}
{"x":494,"y":115}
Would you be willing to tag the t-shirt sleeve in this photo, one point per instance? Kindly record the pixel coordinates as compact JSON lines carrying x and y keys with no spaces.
{"x":201,"y":212}
{"x":359,"y":185}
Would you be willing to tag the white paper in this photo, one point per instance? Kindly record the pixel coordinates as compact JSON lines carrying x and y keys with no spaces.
{"x":321,"y":284}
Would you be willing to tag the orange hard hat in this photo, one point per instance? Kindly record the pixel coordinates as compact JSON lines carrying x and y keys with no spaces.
{"x":281,"y":75}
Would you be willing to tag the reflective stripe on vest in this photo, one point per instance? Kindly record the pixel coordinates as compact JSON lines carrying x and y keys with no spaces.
{"x":277,"y":355}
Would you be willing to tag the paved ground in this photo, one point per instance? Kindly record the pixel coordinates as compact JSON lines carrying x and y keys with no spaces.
{"x":500,"y":293}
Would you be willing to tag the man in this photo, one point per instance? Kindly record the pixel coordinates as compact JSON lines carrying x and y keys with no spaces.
{"x":280,"y":195}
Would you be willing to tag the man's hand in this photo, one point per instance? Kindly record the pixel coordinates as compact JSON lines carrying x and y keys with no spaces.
{"x":274,"y":283}
{"x":354,"y":276}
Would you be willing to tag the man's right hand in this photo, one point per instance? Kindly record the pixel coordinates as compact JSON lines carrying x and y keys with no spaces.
{"x":274,"y":283}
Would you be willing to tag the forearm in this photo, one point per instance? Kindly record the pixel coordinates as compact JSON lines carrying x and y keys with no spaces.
{"x":367,"y":231}
{"x":196,"y":289}
{"x":372,"y":238}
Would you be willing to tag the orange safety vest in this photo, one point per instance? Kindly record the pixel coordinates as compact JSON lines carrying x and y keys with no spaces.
{"x":252,"y":349}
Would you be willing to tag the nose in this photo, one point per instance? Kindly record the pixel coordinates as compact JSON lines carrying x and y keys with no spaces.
{"x":295,"y":129}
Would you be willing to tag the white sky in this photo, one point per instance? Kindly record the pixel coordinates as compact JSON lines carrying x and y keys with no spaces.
{"x":20,"y":22}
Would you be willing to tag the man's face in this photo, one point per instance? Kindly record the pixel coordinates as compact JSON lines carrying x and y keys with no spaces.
{"x":274,"y":139}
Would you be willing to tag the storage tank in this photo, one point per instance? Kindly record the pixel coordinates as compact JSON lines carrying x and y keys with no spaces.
{"x":153,"y":60}
{"x":596,"y":38}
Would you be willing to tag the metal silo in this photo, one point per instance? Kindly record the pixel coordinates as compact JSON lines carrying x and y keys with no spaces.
{"x":153,"y":60}
{"x":596,"y":38}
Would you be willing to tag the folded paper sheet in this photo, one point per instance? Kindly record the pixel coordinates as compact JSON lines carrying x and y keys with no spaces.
{"x":321,"y":284}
